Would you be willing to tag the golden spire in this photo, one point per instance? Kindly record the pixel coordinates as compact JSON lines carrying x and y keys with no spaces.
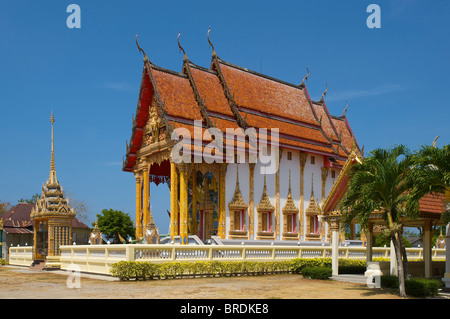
{"x":180,"y":47}
{"x":52,"y":179}
{"x":210,"y":44}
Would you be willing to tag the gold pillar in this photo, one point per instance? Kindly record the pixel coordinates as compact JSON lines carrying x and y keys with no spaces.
{"x":194,"y":202}
{"x":250,"y":200}
{"x":222,"y":211}
{"x":324,"y":180}
{"x":138,"y":205}
{"x":146,"y":216}
{"x":183,"y":203}
{"x":302,"y":163}
{"x":173,"y":200}
{"x":277,"y":202}
{"x":35,"y":231}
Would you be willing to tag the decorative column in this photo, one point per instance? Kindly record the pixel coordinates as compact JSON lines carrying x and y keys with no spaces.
{"x":222,"y":209}
{"x":324,"y":180}
{"x":146,"y":209}
{"x":334,"y":225}
{"x":194,"y":202}
{"x":1,"y":238}
{"x":183,"y":203}
{"x":277,"y":201}
{"x":446,"y":278}
{"x":35,"y":231}
{"x":173,"y":200}
{"x":251,"y":190}
{"x":301,"y":203}
{"x":427,"y":248}
{"x":138,"y":178}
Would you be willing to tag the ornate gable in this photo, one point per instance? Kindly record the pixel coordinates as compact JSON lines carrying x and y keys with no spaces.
{"x":237,"y":202}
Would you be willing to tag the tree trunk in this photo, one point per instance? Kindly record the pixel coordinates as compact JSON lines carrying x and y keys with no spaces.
{"x":401,"y":273}
{"x":405,"y":257}
{"x":398,"y":254}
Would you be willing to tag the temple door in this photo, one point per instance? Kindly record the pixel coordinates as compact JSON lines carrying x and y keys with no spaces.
{"x":209,"y":224}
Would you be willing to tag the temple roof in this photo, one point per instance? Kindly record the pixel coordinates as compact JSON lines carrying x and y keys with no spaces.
{"x":230,"y":96}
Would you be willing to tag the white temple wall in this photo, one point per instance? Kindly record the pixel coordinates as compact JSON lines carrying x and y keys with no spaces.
{"x":286,"y":165}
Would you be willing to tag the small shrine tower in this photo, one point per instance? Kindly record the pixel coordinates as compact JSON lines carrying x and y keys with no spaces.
{"x":52,"y":218}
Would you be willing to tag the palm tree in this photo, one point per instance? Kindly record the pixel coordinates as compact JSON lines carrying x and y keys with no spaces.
{"x":379,"y":184}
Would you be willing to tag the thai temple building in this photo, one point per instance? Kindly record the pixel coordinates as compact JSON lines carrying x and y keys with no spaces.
{"x":265,"y":182}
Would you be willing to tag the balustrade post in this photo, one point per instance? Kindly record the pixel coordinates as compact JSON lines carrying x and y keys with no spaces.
{"x":210,"y":253}
{"x":129,"y":253}
{"x":174,"y":253}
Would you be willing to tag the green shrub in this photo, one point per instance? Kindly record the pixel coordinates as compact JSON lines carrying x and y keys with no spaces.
{"x":316,"y":272}
{"x":414,"y":287}
{"x":352,"y":269}
{"x":389,"y":282}
{"x":422,"y":287}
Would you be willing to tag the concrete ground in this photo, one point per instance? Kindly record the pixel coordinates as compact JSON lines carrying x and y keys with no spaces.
{"x":21,"y":282}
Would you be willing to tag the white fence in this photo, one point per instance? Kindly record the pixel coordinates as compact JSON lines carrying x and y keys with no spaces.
{"x":21,"y":255}
{"x":100,"y":258}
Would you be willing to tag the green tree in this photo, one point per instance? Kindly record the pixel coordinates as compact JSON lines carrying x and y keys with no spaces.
{"x":31,"y":200}
{"x":113,"y":223}
{"x":4,"y":207}
{"x":431,"y":174}
{"x":379,"y":183}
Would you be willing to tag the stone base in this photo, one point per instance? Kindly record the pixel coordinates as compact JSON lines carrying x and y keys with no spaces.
{"x":52,"y":262}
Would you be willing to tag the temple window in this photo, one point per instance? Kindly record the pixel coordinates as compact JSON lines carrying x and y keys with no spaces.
{"x":290,"y":223}
{"x":239,"y":220}
{"x":313,"y":159}
{"x":266,"y":221}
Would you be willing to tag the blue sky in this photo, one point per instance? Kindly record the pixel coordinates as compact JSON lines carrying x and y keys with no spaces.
{"x":395,"y":78}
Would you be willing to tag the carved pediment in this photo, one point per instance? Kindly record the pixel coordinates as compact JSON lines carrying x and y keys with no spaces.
{"x":237,"y":202}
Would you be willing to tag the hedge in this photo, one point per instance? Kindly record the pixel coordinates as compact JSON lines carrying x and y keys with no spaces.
{"x":316,"y":272}
{"x":140,"y":270}
{"x":414,"y":287}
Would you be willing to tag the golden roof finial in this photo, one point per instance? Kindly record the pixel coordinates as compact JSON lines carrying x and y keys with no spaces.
{"x":180,"y":47}
{"x":306,"y":77}
{"x":210,"y":44}
{"x":345,"y":110}
{"x":141,"y":50}
{"x":52,"y":179}
{"x":324,"y":93}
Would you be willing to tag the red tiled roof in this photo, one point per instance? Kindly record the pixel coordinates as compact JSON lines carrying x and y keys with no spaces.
{"x":268,"y":96}
{"x":228,"y":94}
{"x":433,"y":203}
{"x":19,"y":217}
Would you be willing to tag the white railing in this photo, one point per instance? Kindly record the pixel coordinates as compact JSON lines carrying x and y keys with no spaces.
{"x":100,"y":258}
{"x":21,"y":255}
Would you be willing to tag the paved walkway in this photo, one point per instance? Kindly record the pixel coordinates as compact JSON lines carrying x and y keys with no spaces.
{"x":351,"y":278}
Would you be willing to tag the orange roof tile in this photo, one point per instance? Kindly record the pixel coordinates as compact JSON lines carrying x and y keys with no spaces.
{"x":263,"y":102}
{"x":267,"y":95}
{"x":432,"y":203}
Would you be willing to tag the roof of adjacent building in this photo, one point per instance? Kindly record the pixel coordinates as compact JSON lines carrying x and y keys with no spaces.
{"x":429,"y":205}
{"x":230,"y":96}
{"x":17,"y":219}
